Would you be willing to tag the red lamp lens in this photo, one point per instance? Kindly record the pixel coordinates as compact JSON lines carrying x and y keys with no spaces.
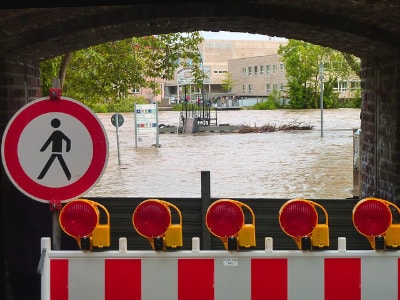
{"x":224,"y":218}
{"x":372,"y":217}
{"x":151,"y":218}
{"x":79,"y":218}
{"x":298,"y":218}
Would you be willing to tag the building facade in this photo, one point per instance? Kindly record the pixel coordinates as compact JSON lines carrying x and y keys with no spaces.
{"x":256,"y":72}
{"x":257,"y":76}
{"x":218,"y":57}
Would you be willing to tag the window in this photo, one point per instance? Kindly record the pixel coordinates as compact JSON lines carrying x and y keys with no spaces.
{"x":354,"y":85}
{"x":250,"y":88}
{"x":244,"y":71}
{"x":282,"y":87}
{"x":255,"y":70}
{"x":268,"y":88}
{"x":281,"y":67}
{"x":274,"y":69}
{"x":268,"y":69}
{"x":244,"y":89}
{"x":275,"y":86}
{"x":262,"y":70}
{"x":249,"y":70}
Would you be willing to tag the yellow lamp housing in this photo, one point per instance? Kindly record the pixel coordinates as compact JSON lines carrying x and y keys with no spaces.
{"x":152,"y":220}
{"x":225,"y":219}
{"x":373,"y":217}
{"x":298,"y":218}
{"x":80,"y":219}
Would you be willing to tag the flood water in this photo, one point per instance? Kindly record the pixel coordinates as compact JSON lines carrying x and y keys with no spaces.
{"x":280,"y":164}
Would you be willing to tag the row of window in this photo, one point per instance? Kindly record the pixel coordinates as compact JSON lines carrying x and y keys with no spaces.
{"x":267,"y":69}
{"x":248,"y":89}
{"x":341,"y":86}
{"x":344,"y":85}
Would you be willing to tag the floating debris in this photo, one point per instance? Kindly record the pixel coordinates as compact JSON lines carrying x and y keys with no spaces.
{"x":274,"y":127}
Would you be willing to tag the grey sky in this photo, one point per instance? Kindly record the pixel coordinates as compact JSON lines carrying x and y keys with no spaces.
{"x":227,"y":35}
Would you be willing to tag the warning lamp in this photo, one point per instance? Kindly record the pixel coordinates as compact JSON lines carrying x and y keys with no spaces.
{"x":152,"y":219}
{"x":226,"y":220}
{"x":80,"y":219}
{"x":372,"y":217}
{"x":299,"y":219}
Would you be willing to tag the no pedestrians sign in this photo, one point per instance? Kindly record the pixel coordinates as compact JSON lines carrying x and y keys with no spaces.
{"x":54,"y":150}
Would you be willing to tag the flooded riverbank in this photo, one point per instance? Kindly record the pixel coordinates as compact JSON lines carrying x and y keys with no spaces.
{"x":281,"y":164}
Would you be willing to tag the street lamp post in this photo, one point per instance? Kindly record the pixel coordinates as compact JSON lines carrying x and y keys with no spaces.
{"x":321,"y":78}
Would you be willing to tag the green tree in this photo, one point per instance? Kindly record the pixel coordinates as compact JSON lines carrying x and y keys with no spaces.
{"x":227,"y":82}
{"x":106,"y":74}
{"x":302,"y":62}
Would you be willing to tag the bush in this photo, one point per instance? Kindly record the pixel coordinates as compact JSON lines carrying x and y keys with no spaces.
{"x":268,"y":104}
{"x":125,"y":105}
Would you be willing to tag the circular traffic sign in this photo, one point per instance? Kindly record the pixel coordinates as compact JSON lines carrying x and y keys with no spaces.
{"x":54,"y":150}
{"x":117,"y":120}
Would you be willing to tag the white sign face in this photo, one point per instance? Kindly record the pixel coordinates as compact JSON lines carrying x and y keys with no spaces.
{"x":75,"y":153}
{"x":54,"y":150}
{"x":146,"y":120}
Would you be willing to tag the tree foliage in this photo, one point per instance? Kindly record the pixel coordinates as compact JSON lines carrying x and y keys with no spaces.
{"x":302,"y":62}
{"x":108,"y":73}
{"x":227,"y":82}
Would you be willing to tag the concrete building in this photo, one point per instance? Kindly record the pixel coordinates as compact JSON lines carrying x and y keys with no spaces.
{"x":256,"y":69}
{"x":218,"y":57}
{"x":257,"y":76}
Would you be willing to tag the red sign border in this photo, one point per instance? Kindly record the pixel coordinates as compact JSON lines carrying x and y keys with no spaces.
{"x":14,"y":129}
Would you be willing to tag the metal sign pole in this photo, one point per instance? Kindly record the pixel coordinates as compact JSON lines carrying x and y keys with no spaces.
{"x":54,"y":206}
{"x":157,"y":129}
{"x":56,"y":227}
{"x":321,"y":77}
{"x":116,"y":131}
{"x":136,"y":131}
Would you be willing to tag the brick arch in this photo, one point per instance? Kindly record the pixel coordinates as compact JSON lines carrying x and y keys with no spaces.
{"x":364,"y":28}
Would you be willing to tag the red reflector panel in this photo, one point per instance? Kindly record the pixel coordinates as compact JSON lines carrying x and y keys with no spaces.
{"x":79,"y":218}
{"x":224,"y":218}
{"x":298,"y":218}
{"x":151,"y":218}
{"x":372,"y":217}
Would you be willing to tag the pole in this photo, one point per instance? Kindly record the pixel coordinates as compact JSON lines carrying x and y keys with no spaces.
{"x":56,"y":207}
{"x":157,"y":129}
{"x":321,"y":77}
{"x":205,"y":203}
{"x":117,"y":133}
{"x":136,"y":131}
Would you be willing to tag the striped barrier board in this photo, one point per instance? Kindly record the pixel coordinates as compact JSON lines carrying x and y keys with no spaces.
{"x":220,"y":275}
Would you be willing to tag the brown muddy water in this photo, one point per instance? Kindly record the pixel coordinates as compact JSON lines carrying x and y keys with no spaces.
{"x":281,"y":164}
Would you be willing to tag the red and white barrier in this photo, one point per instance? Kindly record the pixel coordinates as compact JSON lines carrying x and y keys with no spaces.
{"x":220,"y":275}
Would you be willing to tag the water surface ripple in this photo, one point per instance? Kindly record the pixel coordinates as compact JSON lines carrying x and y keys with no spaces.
{"x":281,"y":164}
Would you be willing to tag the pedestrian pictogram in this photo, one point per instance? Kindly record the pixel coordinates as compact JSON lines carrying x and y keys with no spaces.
{"x":56,"y":138}
{"x":54,"y":150}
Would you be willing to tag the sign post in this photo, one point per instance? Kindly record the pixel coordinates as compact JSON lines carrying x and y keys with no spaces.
{"x":117,"y":120}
